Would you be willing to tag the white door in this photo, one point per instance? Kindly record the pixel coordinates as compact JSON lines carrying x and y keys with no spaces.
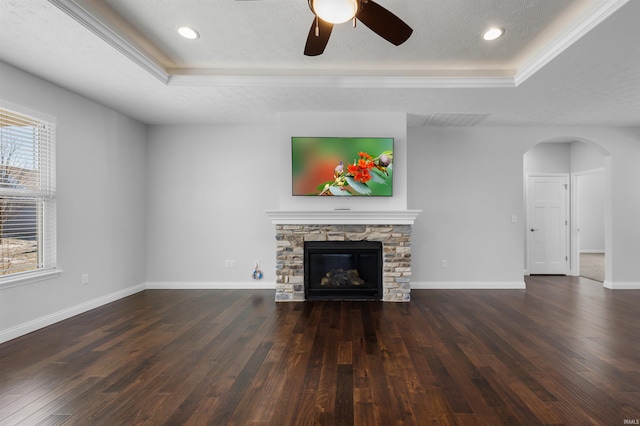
{"x":548,"y":224}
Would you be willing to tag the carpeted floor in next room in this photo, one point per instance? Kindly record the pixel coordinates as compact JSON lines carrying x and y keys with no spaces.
{"x":592,"y":266}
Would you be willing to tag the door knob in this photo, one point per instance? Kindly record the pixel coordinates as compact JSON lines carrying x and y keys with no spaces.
{"x":534,"y":229}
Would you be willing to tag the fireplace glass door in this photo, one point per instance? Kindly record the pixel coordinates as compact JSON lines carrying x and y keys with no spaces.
{"x":338,"y":270}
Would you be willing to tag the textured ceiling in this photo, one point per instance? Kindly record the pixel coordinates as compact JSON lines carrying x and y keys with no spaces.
{"x":560,"y":62}
{"x":270,"y":34}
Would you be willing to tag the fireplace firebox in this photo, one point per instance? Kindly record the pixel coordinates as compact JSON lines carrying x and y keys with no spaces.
{"x":343,"y":270}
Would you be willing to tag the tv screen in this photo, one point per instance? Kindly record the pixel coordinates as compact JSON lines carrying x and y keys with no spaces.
{"x":335,"y":166}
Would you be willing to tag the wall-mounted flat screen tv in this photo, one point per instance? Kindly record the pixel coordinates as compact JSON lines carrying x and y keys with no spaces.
{"x":342,"y":166}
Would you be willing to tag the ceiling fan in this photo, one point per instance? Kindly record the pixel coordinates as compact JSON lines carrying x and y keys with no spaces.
{"x":330,"y":12}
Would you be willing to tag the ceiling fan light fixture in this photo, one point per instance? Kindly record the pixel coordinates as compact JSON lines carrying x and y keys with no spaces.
{"x":335,"y":11}
{"x":493,"y":33}
{"x":188,"y":32}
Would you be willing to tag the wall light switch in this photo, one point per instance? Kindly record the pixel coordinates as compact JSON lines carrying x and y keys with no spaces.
{"x":514,"y":218}
{"x":443,"y":263}
{"x":85,"y":279}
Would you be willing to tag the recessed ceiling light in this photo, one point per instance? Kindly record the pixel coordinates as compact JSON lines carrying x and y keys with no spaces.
{"x":188,"y":32}
{"x":493,"y":33}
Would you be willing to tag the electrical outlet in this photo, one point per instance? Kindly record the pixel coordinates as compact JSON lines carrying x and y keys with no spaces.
{"x":85,"y":279}
{"x":443,"y":263}
{"x":514,"y":218}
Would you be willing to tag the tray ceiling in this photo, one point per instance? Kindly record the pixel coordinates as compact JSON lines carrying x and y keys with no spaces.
{"x":248,"y":64}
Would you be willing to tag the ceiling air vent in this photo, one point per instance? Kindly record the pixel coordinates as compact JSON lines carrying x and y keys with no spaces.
{"x":454,"y":120}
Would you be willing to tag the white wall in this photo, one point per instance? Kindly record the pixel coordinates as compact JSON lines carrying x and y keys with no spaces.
{"x":548,"y":158}
{"x":591,"y":198}
{"x":585,"y":157}
{"x":208,"y":189}
{"x":469,"y":181}
{"x":101,"y":209}
{"x":622,"y":187}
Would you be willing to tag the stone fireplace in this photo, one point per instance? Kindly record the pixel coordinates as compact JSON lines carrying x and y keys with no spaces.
{"x":390,"y":228}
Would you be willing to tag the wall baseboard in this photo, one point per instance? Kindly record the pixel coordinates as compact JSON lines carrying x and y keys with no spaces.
{"x":592,"y":251}
{"x":47,"y":320}
{"x":622,"y":285}
{"x":468,"y":285}
{"x":195,"y":285}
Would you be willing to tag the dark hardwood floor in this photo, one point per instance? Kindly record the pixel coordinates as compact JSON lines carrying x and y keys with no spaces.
{"x":564,"y":351}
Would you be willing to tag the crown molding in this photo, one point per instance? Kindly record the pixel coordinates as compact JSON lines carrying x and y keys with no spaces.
{"x":598,"y":15}
{"x":94,"y":25}
{"x":333,"y":81}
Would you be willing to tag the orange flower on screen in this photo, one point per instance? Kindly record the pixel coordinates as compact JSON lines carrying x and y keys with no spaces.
{"x":364,"y":164}
{"x":362,"y":175}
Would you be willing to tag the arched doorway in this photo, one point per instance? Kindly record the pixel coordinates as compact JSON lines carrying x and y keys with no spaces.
{"x":581,"y":165}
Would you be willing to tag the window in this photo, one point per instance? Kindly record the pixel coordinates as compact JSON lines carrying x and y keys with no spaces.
{"x":27,"y":197}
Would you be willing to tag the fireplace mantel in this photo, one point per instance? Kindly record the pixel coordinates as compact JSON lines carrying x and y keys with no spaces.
{"x":343,"y":217}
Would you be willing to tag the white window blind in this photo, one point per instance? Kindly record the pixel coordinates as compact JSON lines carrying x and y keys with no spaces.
{"x":27,"y":195}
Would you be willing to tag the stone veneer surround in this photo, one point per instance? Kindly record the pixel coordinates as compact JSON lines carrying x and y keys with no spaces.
{"x":396,"y":243}
{"x":391,"y":227}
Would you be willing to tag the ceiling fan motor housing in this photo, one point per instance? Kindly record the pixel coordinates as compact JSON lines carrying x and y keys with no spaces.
{"x":371,"y":14}
{"x":335,"y":11}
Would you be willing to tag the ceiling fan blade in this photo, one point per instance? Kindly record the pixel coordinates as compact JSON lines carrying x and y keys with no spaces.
{"x":384,"y":23}
{"x":316,"y":43}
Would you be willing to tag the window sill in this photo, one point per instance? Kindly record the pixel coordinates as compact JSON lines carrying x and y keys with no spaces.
{"x":29,"y":278}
